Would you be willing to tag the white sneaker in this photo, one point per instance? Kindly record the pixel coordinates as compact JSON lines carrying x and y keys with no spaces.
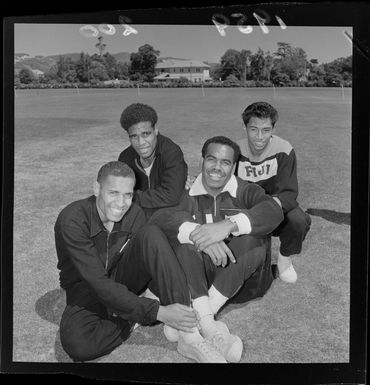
{"x":229,"y":345}
{"x":201,"y":351}
{"x":171,"y":334}
{"x":289,"y":275}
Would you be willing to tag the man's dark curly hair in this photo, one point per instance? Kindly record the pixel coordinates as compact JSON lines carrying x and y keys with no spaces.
{"x":261,"y":110}
{"x":136,"y":113}
{"x":224,"y":141}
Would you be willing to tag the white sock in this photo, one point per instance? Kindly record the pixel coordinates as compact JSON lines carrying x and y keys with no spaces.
{"x":216,"y":299}
{"x":283,"y":262}
{"x":205,"y":315}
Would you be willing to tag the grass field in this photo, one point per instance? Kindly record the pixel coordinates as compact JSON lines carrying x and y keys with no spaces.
{"x":62,"y":137}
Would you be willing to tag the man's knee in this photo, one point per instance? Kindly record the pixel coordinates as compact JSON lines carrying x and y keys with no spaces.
{"x":85,"y":336}
{"x":298,"y":221}
{"x":149,"y":233}
{"x":250,"y":251}
{"x":243,"y":244}
{"x":75,"y":344}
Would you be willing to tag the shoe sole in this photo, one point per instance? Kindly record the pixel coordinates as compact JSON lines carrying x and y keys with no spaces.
{"x":191,"y":356}
{"x":238,"y":346}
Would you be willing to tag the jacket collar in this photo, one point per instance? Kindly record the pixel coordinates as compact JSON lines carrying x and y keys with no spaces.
{"x":198,"y":188}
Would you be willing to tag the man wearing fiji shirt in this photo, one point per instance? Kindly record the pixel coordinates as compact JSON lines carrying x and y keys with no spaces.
{"x":270,"y":161}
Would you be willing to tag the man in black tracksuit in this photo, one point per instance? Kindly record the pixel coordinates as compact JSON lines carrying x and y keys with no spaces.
{"x":107,"y":258}
{"x":221,"y":235}
{"x":158,"y":162}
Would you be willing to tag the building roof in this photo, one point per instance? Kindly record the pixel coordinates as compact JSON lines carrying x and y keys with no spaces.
{"x":173,"y":63}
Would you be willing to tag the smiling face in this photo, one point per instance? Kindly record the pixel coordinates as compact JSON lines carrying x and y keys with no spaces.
{"x":217,"y":168}
{"x":143,"y":138}
{"x":259,"y":131}
{"x":113,"y":198}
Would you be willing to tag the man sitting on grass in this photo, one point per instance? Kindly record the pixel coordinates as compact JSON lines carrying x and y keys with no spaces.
{"x":158,"y":162}
{"x":270,"y":161}
{"x":220,"y":233}
{"x":106,"y":260}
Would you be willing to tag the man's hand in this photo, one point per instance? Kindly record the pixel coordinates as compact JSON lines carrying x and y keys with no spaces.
{"x":219,"y":253}
{"x":178,"y":316}
{"x":207,"y":234}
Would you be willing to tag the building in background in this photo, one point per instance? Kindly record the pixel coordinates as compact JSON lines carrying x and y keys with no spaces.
{"x":172,"y":69}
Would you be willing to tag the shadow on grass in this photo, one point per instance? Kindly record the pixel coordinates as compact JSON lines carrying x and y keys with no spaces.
{"x":331,"y":215}
{"x":51,"y":305}
{"x":232,"y":306}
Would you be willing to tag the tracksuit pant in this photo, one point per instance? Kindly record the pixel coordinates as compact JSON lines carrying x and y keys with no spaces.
{"x":87,"y":328}
{"x":250,"y":253}
{"x":292,"y":231}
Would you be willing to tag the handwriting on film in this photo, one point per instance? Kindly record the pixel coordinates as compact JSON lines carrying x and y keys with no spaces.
{"x":220,"y":21}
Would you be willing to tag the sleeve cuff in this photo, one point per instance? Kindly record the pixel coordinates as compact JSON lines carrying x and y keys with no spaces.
{"x":184,"y":232}
{"x":277,"y":200}
{"x":243,"y":222}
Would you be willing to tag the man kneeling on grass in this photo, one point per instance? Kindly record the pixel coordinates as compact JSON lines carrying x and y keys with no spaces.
{"x":107,"y":258}
{"x":221,"y":235}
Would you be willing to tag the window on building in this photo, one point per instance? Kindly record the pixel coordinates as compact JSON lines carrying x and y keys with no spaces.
{"x":197,"y":70}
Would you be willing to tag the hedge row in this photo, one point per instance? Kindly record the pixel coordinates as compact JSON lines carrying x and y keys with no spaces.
{"x":173,"y":84}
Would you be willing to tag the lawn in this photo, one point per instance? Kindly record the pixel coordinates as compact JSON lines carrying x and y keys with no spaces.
{"x":62,"y":137}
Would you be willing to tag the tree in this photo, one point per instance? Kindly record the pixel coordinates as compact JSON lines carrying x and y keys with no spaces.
{"x":230,"y":64}
{"x":65,"y":69}
{"x":123,"y":70}
{"x":244,"y":62}
{"x":111,"y":65}
{"x":269,"y":63}
{"x":338,"y":71}
{"x":290,"y":61}
{"x":98,"y":71}
{"x":215,"y":71}
{"x":82,"y":67}
{"x":100,"y":45}
{"x":316,"y":76}
{"x":258,"y":65}
{"x":143,"y":62}
{"x":26,"y":76}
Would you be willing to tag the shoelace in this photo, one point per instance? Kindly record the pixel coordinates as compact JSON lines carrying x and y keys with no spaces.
{"x":218,"y":341}
{"x":207,"y":349}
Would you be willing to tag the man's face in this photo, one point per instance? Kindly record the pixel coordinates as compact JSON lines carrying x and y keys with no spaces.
{"x":113,"y":198}
{"x":143,"y":138}
{"x":218,"y":167}
{"x":259,"y":131}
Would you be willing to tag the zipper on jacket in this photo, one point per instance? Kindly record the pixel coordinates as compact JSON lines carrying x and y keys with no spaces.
{"x":107,"y":257}
{"x":215,"y":207}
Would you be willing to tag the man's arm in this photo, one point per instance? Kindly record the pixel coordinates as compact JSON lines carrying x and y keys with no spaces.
{"x":286,"y":186}
{"x":263,"y":212}
{"x":259,"y":214}
{"x":172,"y":184}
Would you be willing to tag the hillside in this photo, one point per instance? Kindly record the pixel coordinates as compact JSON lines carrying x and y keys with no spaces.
{"x":44,"y":63}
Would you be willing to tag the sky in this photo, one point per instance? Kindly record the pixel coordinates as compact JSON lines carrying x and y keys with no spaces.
{"x":197,"y":42}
